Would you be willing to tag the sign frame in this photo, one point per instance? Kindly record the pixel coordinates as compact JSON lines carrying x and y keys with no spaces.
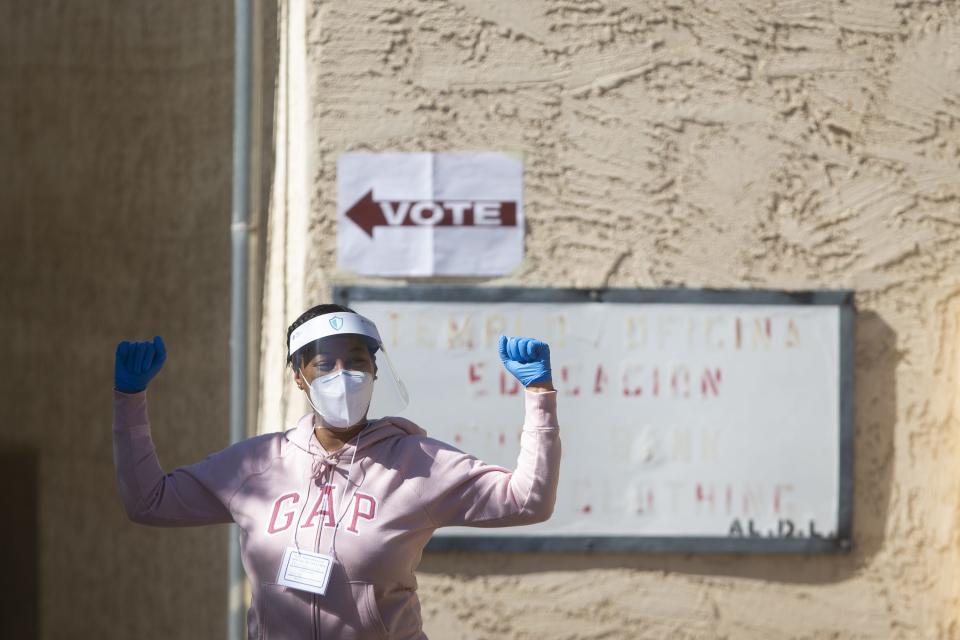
{"x":841,"y":298}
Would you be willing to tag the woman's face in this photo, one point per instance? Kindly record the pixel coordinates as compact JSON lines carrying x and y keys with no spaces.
{"x":338,"y":352}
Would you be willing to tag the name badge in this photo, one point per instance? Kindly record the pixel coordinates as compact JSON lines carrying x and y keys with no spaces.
{"x":305,"y":570}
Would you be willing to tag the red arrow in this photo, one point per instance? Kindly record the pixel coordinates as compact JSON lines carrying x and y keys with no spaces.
{"x":368,"y":213}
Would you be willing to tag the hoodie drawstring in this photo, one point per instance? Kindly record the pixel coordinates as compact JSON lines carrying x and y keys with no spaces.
{"x":319,"y":467}
{"x":322,"y":475}
{"x":344,"y":502}
{"x":322,"y":468}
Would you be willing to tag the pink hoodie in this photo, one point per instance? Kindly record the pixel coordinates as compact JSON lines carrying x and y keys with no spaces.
{"x":402,"y":486}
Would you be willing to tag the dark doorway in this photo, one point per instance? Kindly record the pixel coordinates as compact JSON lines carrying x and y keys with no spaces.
{"x":19,"y":582}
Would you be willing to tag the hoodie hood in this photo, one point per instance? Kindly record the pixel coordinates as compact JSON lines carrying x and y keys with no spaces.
{"x":302,"y":435}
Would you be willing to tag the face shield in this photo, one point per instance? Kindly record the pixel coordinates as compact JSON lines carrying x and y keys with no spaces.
{"x":348,"y":341}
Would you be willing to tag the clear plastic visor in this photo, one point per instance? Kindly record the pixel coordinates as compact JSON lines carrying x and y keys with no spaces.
{"x":357,"y":353}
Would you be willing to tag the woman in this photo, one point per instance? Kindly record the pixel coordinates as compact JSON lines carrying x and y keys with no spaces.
{"x":335,"y":512}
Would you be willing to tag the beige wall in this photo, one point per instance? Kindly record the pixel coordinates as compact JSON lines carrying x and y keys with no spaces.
{"x":115,"y":152}
{"x":721,"y":144}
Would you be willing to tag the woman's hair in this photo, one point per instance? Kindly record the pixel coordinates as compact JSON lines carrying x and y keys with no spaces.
{"x":312,"y":312}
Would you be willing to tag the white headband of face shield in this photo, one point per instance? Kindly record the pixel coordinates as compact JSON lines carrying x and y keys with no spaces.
{"x":332,"y":324}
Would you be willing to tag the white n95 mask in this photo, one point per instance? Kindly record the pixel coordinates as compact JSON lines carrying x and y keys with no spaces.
{"x":342,"y":397}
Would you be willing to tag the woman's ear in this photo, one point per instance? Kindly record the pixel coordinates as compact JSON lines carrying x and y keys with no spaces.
{"x":301,"y":384}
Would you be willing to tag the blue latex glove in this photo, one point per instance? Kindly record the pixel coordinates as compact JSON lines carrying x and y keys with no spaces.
{"x":527,"y":359}
{"x":137,"y":363}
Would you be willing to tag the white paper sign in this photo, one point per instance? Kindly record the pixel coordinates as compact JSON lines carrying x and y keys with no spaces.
{"x":305,"y":570}
{"x":429,"y":214}
{"x":676,"y":419}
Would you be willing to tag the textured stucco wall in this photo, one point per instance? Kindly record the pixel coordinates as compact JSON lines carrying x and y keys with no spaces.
{"x":794,"y":144}
{"x":115,"y":143}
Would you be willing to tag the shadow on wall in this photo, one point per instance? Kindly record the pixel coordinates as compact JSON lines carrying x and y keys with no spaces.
{"x":876,"y":410}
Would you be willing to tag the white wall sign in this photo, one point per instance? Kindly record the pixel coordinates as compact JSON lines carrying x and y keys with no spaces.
{"x":429,"y":214}
{"x":686,"y":425}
